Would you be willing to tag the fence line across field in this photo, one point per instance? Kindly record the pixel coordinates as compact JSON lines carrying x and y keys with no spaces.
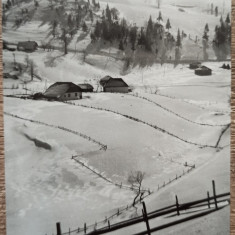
{"x":126,"y":208}
{"x":176,"y":114}
{"x":103,"y":146}
{"x":212,"y":204}
{"x":143,"y":122}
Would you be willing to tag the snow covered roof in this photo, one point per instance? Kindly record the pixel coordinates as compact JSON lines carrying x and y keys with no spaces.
{"x":85,"y":86}
{"x":204,"y":68}
{"x":59,"y":88}
{"x":30,"y":45}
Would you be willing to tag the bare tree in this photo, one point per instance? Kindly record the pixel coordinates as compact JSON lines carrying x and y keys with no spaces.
{"x":135,"y":179}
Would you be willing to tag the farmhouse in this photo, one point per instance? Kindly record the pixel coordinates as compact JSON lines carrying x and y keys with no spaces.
{"x":63,"y":91}
{"x":203,"y":71}
{"x":110,"y":84}
{"x":86,"y":87}
{"x":195,"y":65}
{"x":28,"y":46}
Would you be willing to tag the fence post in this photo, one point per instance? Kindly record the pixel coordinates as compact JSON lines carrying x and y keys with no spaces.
{"x":208,"y":199}
{"x":69,"y":231}
{"x":109,"y":224}
{"x":145,"y":215}
{"x":214,"y":192}
{"x":58,"y":228}
{"x":177,"y":205}
{"x":85,"y":228}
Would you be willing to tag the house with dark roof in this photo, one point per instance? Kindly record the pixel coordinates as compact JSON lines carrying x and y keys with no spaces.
{"x":117,"y":85}
{"x":27,"y":46}
{"x":203,"y":71}
{"x":63,"y":91}
{"x":86,"y":87}
{"x":195,"y":65}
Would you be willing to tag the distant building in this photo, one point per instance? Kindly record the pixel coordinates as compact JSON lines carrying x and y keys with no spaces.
{"x":110,"y":84}
{"x":63,"y":91}
{"x":195,"y":65}
{"x":86,"y":87}
{"x":28,"y":46}
{"x":203,"y":71}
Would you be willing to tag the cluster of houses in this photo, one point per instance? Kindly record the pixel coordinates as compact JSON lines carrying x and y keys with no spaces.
{"x":64,"y":91}
{"x":200,"y":69}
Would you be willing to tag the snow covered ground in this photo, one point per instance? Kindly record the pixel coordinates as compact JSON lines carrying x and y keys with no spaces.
{"x":187,"y":112}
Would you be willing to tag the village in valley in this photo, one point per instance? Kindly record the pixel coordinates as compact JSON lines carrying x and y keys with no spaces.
{"x":117,"y":116}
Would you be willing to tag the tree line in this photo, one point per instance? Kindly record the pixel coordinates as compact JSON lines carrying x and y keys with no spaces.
{"x":154,"y":38}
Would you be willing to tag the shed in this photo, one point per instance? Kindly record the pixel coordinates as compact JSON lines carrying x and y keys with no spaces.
{"x":110,"y":84}
{"x":63,"y":91}
{"x":195,"y":65}
{"x":203,"y":71}
{"x":28,"y":46}
{"x":86,"y":87}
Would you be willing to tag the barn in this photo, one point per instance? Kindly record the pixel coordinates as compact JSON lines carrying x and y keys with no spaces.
{"x":63,"y":91}
{"x":117,"y":85}
{"x":203,"y":71}
{"x":86,"y":87}
{"x":27,"y":46}
{"x":195,"y":65}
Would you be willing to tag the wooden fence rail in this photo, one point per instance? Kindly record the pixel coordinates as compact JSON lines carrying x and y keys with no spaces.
{"x":208,"y":201}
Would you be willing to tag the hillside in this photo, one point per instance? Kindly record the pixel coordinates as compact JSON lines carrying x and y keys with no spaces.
{"x":57,"y":168}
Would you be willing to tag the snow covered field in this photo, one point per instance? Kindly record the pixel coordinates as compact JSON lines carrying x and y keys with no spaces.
{"x":171,"y":117}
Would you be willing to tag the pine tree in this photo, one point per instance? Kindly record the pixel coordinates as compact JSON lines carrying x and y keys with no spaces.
{"x":121,"y":45}
{"x":205,"y":39}
{"x":216,"y":11}
{"x":84,"y":27}
{"x":142,"y":37}
{"x":108,"y":14}
{"x":133,"y":37}
{"x":212,"y":9}
{"x":222,"y":40}
{"x":206,"y":28}
{"x":149,"y":35}
{"x":168,"y":25}
{"x":228,"y":19}
{"x":178,"y":40}
{"x":97,"y":31}
{"x":160,"y":17}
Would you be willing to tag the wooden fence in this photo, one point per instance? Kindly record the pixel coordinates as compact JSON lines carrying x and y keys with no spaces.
{"x":144,"y":122}
{"x":172,"y":112}
{"x":208,"y":204}
{"x":84,"y":136}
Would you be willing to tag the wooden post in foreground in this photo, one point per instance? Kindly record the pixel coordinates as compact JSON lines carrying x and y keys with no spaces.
{"x":85,"y":228}
{"x":214,"y":192}
{"x":177,"y":205}
{"x":58,"y":229}
{"x":145,"y":215}
{"x":208,"y":199}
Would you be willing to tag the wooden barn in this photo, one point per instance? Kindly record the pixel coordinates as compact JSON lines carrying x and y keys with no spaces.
{"x":63,"y":91}
{"x":203,"y":71}
{"x":27,"y":46}
{"x":117,"y":85}
{"x":86,"y":87}
{"x":195,"y":65}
